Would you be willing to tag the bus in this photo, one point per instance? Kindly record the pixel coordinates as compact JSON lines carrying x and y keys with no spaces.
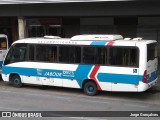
{"x":90,"y":62}
{"x":3,"y":48}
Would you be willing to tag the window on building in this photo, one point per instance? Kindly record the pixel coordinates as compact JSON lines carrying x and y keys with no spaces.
{"x":70,"y":54}
{"x":36,"y":31}
{"x":123,"y":56}
{"x":39,"y":27}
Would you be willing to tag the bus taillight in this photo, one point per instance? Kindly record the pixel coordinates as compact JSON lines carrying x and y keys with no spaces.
{"x":144,"y":80}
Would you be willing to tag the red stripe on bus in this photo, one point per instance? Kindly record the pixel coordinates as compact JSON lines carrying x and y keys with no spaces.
{"x":93,"y":74}
{"x":110,"y":44}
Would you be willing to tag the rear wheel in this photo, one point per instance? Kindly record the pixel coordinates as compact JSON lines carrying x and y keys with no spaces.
{"x":90,"y":88}
{"x":16,"y":81}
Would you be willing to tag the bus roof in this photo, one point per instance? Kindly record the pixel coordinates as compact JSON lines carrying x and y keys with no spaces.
{"x":114,"y":41}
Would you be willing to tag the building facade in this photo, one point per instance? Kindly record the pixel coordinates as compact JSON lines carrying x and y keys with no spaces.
{"x":130,"y":18}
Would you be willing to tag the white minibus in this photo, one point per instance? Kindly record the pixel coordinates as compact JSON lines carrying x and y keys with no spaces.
{"x":89,"y":62}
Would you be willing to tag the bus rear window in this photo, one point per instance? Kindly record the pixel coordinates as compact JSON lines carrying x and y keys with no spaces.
{"x":151,"y":51}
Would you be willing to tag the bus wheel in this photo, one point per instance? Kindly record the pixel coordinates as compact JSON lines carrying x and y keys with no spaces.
{"x":16,"y":81}
{"x":90,"y":88}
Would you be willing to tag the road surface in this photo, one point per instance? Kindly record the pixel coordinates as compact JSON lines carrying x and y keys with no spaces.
{"x":36,"y":98}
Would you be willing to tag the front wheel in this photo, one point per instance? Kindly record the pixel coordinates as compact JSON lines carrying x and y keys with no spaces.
{"x":90,"y":88}
{"x":16,"y":81}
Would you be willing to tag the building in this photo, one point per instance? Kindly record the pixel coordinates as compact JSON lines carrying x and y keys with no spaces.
{"x":130,"y":18}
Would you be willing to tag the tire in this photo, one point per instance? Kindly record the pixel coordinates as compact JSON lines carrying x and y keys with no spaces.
{"x":90,"y":88}
{"x":16,"y":81}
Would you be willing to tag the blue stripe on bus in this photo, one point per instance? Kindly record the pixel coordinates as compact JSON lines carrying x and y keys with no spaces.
{"x":119,"y":78}
{"x":19,"y":70}
{"x":98,"y":43}
{"x":80,"y":74}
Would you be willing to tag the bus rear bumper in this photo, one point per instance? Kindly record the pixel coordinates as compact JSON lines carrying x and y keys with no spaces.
{"x":145,"y":86}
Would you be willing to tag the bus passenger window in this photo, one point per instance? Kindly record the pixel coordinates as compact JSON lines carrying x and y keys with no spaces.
{"x":94,"y":55}
{"x":123,"y":56}
{"x":45,"y":53}
{"x":52,"y":53}
{"x":31,"y":53}
{"x":70,"y":54}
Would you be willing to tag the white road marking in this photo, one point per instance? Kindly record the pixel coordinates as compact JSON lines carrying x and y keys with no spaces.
{"x":133,"y":105}
{"x":9,"y":108}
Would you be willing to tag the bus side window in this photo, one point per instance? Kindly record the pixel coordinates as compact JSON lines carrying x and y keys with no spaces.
{"x":121,"y":56}
{"x":45,"y":53}
{"x":31,"y":53}
{"x":70,"y":54}
{"x":64,"y":54}
{"x":40,"y":52}
{"x":89,"y":55}
{"x":94,"y":55}
{"x":52,"y":53}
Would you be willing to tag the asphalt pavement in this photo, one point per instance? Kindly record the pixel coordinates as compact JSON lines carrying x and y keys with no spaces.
{"x":34,"y":98}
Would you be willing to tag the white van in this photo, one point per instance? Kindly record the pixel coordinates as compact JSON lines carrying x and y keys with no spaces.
{"x":3,"y":48}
